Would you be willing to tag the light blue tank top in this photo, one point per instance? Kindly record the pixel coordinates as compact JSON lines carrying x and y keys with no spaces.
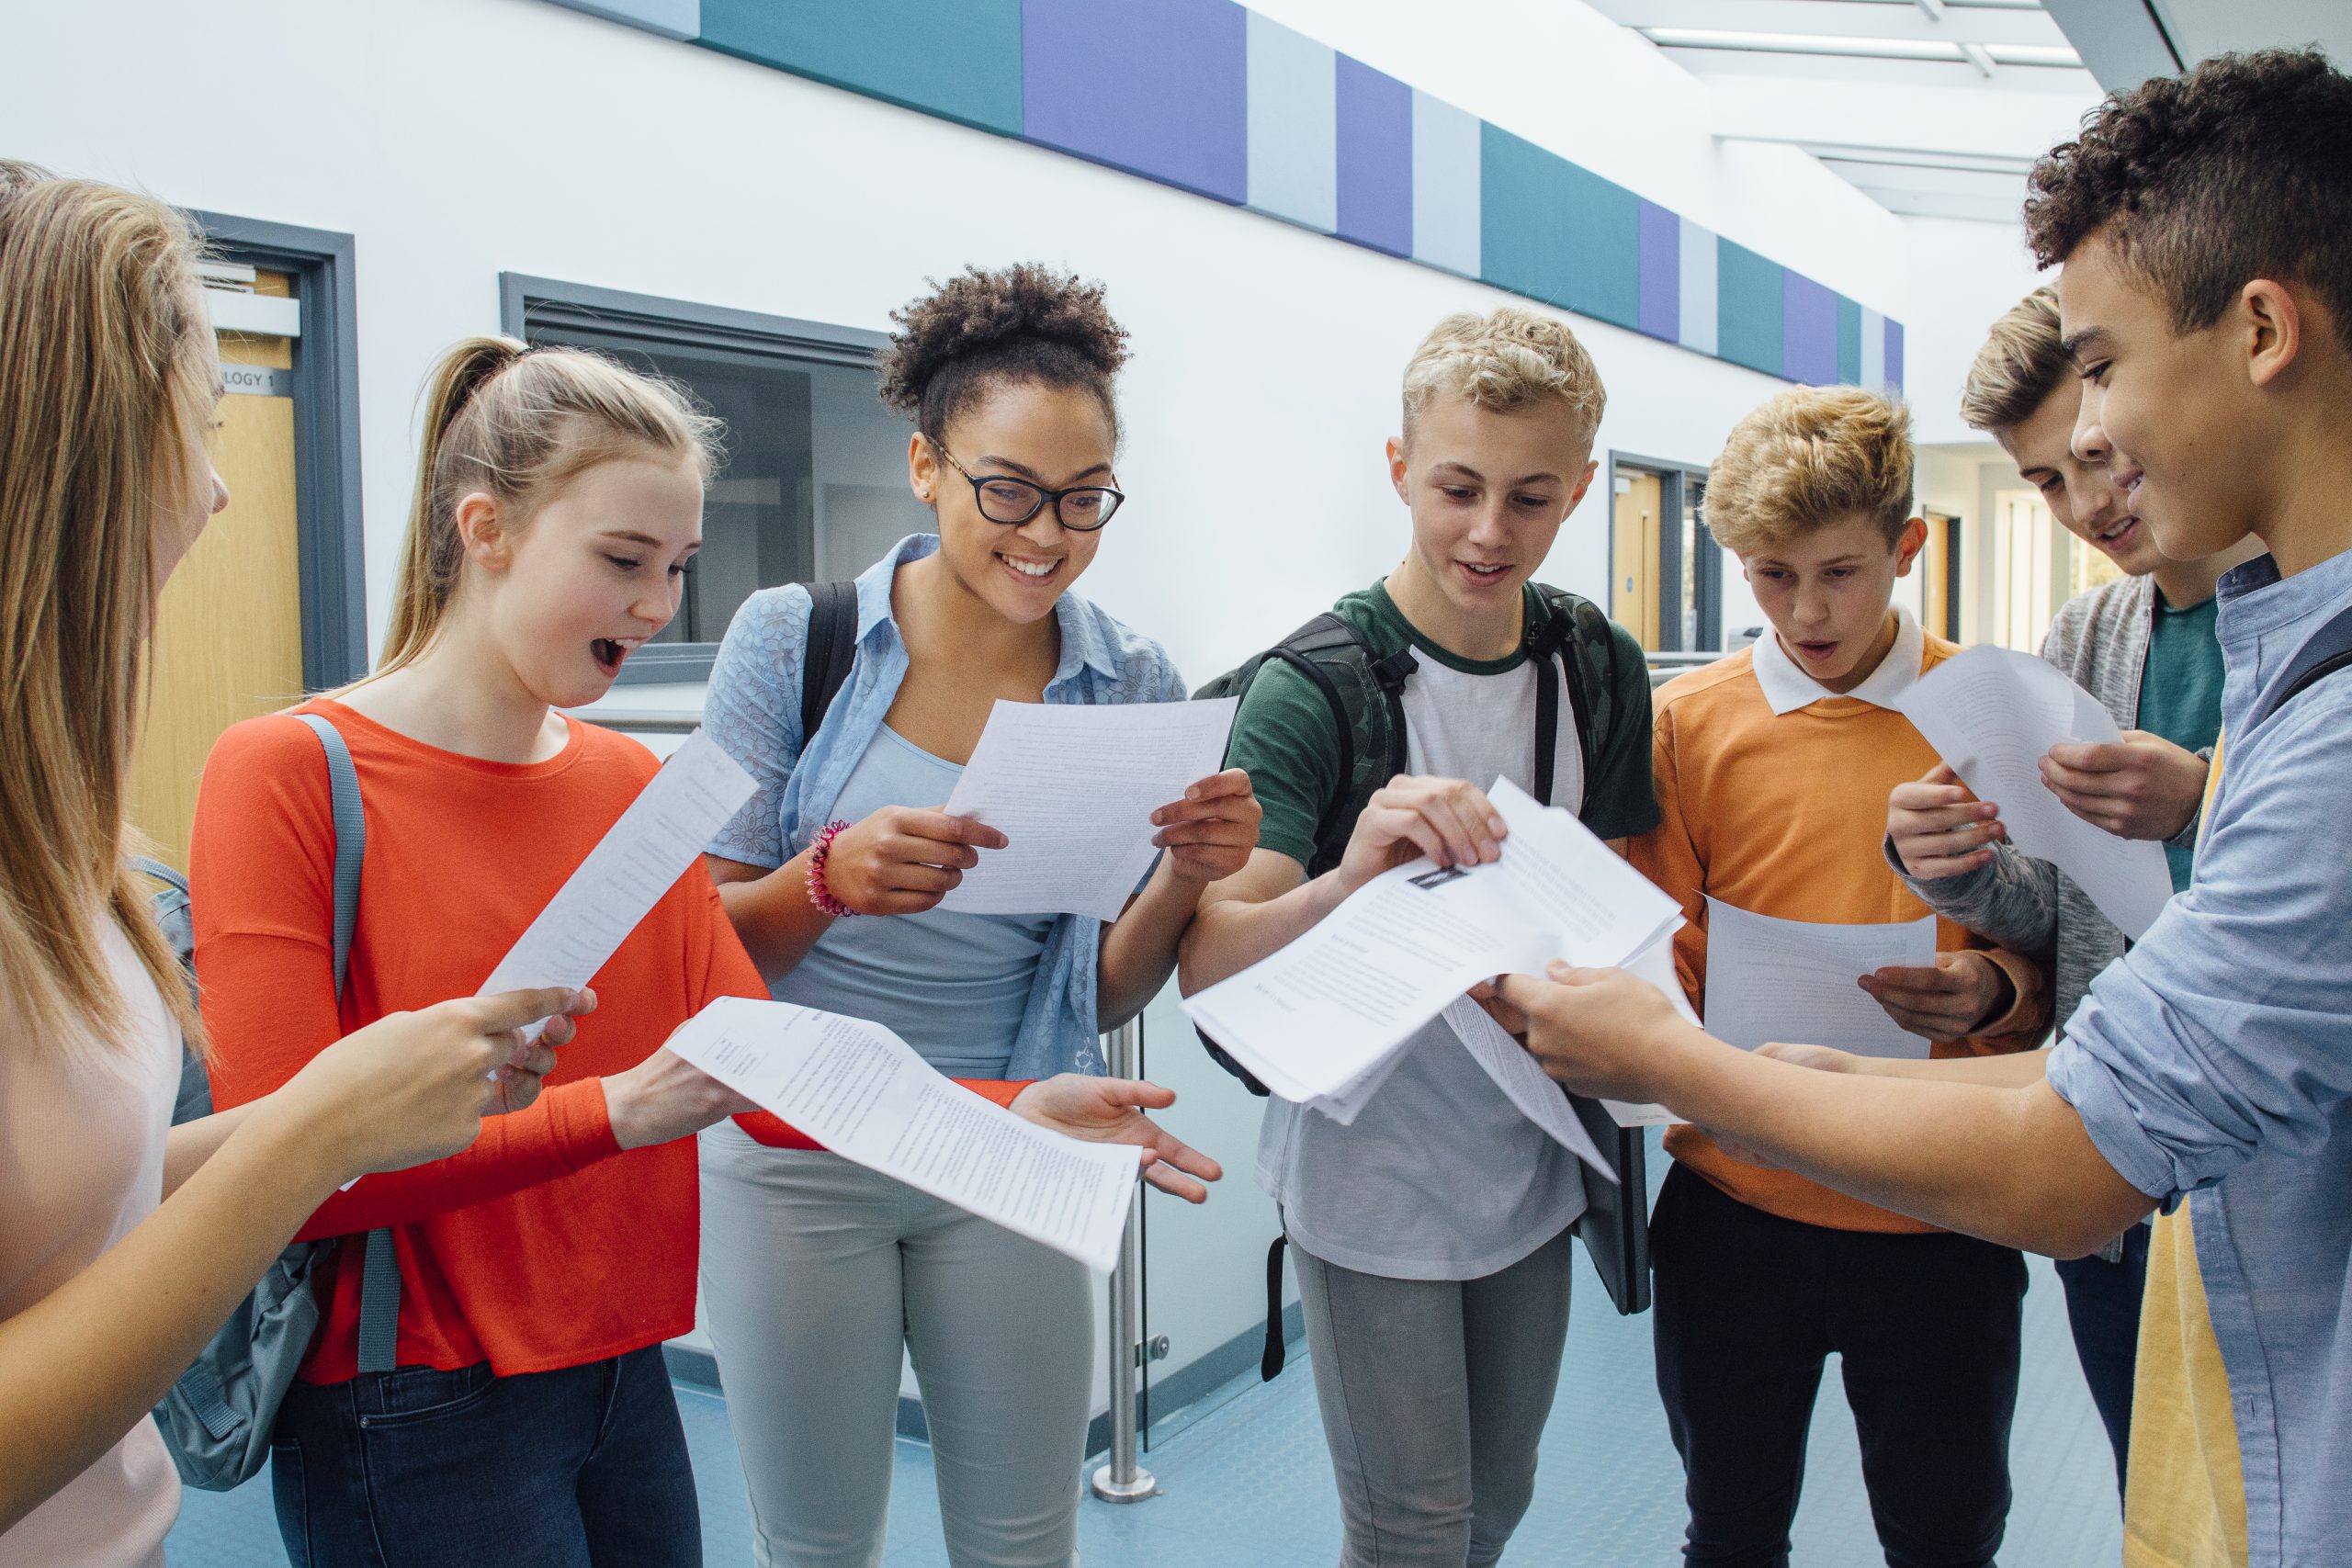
{"x":952,"y":985}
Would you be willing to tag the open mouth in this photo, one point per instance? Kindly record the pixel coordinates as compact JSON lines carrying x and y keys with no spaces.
{"x":611,"y":652}
{"x":2122,"y":533}
{"x":1033,"y":569}
{"x":1817,"y":652}
{"x":1486,"y":574}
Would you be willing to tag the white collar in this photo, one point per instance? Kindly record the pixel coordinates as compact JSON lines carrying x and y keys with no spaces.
{"x":1788,"y":688}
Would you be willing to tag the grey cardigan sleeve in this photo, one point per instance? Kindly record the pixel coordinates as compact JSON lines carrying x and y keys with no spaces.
{"x":2012,"y":902}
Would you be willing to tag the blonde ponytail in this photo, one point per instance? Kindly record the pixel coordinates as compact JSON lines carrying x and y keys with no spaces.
{"x":515,"y":422}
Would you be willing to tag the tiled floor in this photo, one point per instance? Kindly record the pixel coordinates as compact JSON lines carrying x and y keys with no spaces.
{"x":1245,"y":1482}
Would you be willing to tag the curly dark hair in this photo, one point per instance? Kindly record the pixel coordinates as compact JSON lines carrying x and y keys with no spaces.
{"x":2240,"y":169}
{"x":1021,"y":323}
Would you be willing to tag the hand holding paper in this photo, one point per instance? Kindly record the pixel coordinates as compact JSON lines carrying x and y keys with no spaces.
{"x":1072,"y":787}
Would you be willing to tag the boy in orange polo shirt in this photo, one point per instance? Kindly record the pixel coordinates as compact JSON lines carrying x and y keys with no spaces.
{"x":1772,"y":770}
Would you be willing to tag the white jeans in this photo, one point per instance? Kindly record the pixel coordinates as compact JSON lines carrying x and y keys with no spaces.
{"x":815,"y":1272}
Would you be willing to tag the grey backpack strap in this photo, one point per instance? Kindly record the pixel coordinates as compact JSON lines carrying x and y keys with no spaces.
{"x":379,"y":1278}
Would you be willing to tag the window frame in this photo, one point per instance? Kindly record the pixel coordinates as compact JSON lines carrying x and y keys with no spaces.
{"x":655,"y":322}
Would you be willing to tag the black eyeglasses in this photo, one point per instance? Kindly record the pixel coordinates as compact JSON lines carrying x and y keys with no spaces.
{"x":1003,"y":499}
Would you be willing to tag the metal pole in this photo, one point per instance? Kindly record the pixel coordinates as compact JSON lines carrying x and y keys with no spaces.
{"x":1122,"y":1480}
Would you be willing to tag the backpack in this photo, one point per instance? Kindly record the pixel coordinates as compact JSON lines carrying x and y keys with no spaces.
{"x":1366,"y":698}
{"x":217,"y":1417}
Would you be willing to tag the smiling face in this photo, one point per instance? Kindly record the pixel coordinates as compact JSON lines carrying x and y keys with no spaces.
{"x":2168,"y":412}
{"x":1488,"y":491}
{"x":595,"y":574}
{"x":1055,"y":438}
{"x":1827,"y":593}
{"x":2079,"y":490}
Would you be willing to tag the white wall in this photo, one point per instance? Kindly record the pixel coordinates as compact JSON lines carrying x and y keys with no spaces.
{"x":457,"y":139}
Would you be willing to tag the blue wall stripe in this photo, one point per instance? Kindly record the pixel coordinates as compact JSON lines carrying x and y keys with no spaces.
{"x":679,"y":19}
{"x":1661,"y":306}
{"x":956,"y":59}
{"x":1293,"y":154}
{"x":1700,"y":261}
{"x":1849,"y":341}
{"x":1808,"y":330}
{"x":1156,"y":87}
{"x":1210,"y":97}
{"x":1375,"y":158}
{"x":1748,"y":301}
{"x":1445,"y":185}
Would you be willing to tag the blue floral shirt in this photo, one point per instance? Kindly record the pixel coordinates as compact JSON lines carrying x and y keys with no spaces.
{"x":754,"y":711}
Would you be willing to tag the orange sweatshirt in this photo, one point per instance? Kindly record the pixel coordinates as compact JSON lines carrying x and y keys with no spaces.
{"x":1786,"y":816}
{"x":542,"y":1244}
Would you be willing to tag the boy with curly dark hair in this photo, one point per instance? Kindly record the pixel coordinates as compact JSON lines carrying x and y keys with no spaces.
{"x":2206,"y":227}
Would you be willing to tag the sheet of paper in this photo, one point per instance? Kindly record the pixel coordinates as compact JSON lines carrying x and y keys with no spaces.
{"x":1313,"y":1019}
{"x":1539,"y":1099}
{"x":864,"y":1093}
{"x":1991,"y":713}
{"x":655,"y":842}
{"x":1073,"y":788}
{"x":1793,"y":981}
{"x":1656,"y":964}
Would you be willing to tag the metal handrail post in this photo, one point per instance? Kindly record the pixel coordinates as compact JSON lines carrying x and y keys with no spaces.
{"x":1123,"y":1480}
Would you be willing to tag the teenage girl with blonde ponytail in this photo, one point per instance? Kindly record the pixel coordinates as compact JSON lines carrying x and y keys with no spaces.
{"x":124,"y":1241}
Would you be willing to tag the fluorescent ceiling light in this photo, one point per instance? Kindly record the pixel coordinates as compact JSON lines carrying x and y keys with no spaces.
{"x":1849,"y":47}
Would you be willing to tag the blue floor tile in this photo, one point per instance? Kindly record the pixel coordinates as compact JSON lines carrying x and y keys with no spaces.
{"x":1246,"y":1483}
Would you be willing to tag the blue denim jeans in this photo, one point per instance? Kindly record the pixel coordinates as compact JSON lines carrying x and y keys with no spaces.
{"x":584,"y":1467}
{"x":2103,"y":1309}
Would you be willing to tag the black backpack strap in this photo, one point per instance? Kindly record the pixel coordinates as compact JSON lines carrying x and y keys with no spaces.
{"x":2324,"y":653}
{"x":1575,"y":628}
{"x":1270,"y":1359}
{"x":1327,"y":651}
{"x":833,"y":649}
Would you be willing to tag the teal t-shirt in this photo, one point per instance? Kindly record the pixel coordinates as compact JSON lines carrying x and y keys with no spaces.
{"x":2181,"y":693}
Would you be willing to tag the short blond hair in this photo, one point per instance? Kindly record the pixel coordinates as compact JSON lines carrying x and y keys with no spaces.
{"x":1811,"y":458}
{"x":1506,"y":362}
{"x":2023,"y":362}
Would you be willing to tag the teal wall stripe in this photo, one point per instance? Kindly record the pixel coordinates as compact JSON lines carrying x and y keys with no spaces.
{"x":957,"y":59}
{"x":1294,"y":147}
{"x":1252,"y":115}
{"x":1748,"y":295}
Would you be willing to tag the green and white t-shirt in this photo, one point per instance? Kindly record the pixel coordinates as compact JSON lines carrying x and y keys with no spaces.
{"x":1439,"y":1176}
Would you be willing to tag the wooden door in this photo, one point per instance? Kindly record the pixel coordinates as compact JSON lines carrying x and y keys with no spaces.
{"x":228,"y":638}
{"x":1633,"y":552}
{"x":1934,"y":578}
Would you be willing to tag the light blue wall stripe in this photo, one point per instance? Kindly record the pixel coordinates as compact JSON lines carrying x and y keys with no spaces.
{"x":1873,"y":349}
{"x":1293,"y":126}
{"x":1698,"y":261}
{"x":671,"y":18}
{"x":1445,"y":185}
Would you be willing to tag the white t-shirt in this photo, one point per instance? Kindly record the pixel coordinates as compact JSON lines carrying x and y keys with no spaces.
{"x":82,"y":1133}
{"x":1439,"y":1176}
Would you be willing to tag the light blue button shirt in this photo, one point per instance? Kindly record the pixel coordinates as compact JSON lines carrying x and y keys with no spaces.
{"x":2213,"y":1062}
{"x":754,"y":712}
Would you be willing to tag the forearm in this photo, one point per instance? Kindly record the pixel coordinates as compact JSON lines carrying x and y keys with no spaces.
{"x":772,"y":916}
{"x":193,"y":1143}
{"x":2014,"y":1070}
{"x":1138,"y":948}
{"x":82,"y":1366}
{"x":2006,"y":1161}
{"x":1230,"y":934}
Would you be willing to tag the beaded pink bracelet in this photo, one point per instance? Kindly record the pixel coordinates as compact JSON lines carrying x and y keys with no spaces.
{"x":818,"y":893}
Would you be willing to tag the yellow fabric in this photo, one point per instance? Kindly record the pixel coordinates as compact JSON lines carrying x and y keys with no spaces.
{"x":2184,"y":1500}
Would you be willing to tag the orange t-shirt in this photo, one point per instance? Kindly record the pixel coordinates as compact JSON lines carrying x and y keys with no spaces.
{"x":1786,"y":816}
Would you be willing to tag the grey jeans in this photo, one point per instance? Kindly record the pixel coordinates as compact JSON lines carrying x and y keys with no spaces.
{"x":1434,"y":1395}
{"x":815,"y":1272}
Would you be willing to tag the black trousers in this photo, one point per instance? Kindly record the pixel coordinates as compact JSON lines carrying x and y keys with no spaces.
{"x":1749,"y":1305}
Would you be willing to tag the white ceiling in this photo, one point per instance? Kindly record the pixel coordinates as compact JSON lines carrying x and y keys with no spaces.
{"x":1934,"y":109}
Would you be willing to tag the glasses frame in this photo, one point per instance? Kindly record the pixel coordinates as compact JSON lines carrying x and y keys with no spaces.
{"x":1117,"y":498}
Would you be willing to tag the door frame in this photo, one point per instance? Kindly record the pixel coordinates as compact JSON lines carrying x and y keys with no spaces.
{"x":330,"y":546}
{"x":1674,"y":483}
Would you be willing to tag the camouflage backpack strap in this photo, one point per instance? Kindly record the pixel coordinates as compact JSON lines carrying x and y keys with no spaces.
{"x":1587,"y":643}
{"x":1366,"y":695}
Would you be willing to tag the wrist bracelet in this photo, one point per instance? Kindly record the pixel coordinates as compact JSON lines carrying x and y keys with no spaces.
{"x":818,"y":893}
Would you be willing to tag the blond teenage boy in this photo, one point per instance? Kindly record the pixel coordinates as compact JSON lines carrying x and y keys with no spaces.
{"x":1431,"y":1236}
{"x":2145,"y":646}
{"x":1773,"y":767}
